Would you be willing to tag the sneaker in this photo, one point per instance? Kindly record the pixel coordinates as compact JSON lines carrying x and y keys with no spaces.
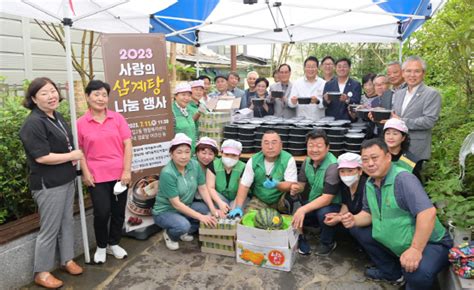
{"x":170,"y":244}
{"x":117,"y":251}
{"x":303,"y":246}
{"x":376,"y":275}
{"x":100,"y":255}
{"x":325,"y":250}
{"x":186,"y":238}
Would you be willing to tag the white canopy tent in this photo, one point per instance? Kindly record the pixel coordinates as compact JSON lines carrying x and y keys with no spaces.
{"x":110,"y":16}
{"x":231,"y":22}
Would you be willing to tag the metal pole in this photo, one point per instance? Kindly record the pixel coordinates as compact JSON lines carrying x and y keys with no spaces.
{"x":67,"y":22}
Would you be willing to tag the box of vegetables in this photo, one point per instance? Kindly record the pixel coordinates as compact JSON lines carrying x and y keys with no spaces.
{"x":266,"y":239}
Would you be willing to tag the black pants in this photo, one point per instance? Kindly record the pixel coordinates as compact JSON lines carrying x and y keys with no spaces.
{"x":108,"y":207}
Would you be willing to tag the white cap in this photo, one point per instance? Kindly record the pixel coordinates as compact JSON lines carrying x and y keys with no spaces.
{"x":207,"y":141}
{"x":182,"y":88}
{"x":180,"y":139}
{"x":197,"y":83}
{"x":230,"y":146}
{"x":395,"y":123}
{"x":349,"y":160}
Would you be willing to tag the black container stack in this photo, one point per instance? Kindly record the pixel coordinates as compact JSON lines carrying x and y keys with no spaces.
{"x":343,"y":136}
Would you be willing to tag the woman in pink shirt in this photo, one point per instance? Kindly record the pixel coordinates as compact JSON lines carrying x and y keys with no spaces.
{"x":105,"y":138}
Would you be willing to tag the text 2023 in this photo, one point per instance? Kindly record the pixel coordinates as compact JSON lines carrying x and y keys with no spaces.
{"x":131,"y":53}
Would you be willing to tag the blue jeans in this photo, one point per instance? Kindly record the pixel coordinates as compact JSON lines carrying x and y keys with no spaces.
{"x":176,"y":224}
{"x":316,"y":218}
{"x":435,"y":259}
{"x":232,"y":202}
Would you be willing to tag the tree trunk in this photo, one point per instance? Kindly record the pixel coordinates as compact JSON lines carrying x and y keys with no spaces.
{"x":79,"y":98}
{"x":233,"y":58}
{"x":173,"y":65}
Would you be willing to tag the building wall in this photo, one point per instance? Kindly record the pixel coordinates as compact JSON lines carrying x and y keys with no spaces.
{"x":26,"y":52}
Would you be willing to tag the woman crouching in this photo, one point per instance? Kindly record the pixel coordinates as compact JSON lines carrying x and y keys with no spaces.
{"x":174,"y":209}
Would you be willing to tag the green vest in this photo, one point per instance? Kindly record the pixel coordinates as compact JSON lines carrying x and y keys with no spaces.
{"x":193,"y":108}
{"x":405,"y":163}
{"x":316,"y":177}
{"x":229,"y":191}
{"x":392,"y":226}
{"x":184,"y":124}
{"x":269,"y":196}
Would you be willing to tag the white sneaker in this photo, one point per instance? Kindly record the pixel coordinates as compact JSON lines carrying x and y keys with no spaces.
{"x":100,"y":255}
{"x":170,"y":244}
{"x":117,"y":251}
{"x":186,"y":238}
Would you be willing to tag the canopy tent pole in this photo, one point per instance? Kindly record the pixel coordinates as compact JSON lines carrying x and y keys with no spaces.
{"x":67,"y":23}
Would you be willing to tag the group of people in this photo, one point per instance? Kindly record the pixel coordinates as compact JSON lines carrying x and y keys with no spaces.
{"x":375,"y":196}
{"x":400,"y":90}
{"x":372,"y":197}
{"x":105,"y":156}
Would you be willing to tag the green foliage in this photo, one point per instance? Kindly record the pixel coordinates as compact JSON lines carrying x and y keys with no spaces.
{"x":15,"y":197}
{"x":459,"y":210}
{"x":365,"y":58}
{"x":183,"y":72}
{"x":444,"y":185}
{"x":446,"y":44}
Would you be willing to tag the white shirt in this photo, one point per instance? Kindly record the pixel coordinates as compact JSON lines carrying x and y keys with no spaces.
{"x":302,"y":88}
{"x":248,"y":175}
{"x":342,"y":86}
{"x":408,"y":96}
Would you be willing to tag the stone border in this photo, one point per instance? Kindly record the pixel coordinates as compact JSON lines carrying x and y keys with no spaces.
{"x":28,"y":224}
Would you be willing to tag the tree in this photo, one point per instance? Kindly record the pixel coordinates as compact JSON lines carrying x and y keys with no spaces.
{"x":365,"y":57}
{"x":446,"y":44}
{"x":88,"y":42}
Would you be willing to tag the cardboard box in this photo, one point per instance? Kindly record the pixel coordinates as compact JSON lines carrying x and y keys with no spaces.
{"x":269,"y":249}
{"x":223,"y":104}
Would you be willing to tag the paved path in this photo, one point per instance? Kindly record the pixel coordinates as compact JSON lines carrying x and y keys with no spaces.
{"x":151,"y":265}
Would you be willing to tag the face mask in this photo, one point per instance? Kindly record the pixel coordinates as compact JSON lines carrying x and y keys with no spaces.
{"x":350,"y":180}
{"x":229,"y":162}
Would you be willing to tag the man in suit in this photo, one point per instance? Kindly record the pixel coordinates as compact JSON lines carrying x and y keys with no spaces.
{"x":233,"y":80}
{"x":395,"y":78}
{"x":280,"y":105}
{"x":418,"y":106}
{"x":350,"y":88}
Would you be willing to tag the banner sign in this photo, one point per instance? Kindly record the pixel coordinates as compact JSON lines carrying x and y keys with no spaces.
{"x":135,"y":67}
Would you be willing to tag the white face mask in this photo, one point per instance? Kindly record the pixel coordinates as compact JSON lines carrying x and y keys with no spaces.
{"x":350,"y":180}
{"x":229,"y":162}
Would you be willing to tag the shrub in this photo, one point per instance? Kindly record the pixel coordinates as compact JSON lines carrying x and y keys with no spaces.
{"x":443,"y":171}
{"x":15,"y":197}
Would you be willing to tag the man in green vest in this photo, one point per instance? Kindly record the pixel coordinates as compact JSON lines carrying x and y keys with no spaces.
{"x":397,"y":226}
{"x":320,"y":176}
{"x":269,"y":173}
